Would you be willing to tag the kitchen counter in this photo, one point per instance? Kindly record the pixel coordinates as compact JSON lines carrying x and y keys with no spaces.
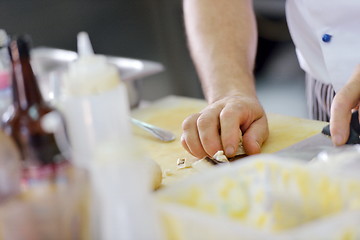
{"x":169,"y":113}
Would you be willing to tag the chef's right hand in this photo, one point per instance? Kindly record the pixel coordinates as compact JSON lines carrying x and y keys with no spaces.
{"x":222,"y":124}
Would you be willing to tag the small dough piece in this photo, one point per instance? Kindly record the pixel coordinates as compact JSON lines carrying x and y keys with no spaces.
{"x":157,"y":174}
{"x":219,"y":156}
{"x":184,"y":163}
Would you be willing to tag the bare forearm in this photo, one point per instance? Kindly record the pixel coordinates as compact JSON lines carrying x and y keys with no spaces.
{"x":222,"y":39}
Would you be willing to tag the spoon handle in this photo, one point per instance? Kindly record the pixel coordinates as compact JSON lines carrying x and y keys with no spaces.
{"x":162,"y":134}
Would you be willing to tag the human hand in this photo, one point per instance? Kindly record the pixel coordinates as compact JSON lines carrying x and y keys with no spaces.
{"x":222,"y":124}
{"x":345,"y":101}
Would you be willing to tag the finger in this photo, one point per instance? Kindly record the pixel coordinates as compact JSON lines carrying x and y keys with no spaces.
{"x":230,"y":136}
{"x":190,"y":138}
{"x":255,"y":136}
{"x":339,"y":121}
{"x":345,"y":100}
{"x":208,"y":129}
{"x":184,"y":144}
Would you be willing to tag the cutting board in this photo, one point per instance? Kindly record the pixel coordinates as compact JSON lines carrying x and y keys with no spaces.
{"x":169,"y":113}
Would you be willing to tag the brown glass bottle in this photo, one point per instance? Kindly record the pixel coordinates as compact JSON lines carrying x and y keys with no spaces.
{"x":38,"y":147}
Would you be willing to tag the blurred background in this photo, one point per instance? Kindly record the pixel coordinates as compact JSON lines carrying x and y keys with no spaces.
{"x":154,"y":30}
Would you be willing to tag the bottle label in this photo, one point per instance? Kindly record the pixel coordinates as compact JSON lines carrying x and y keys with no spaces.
{"x":35,"y":175}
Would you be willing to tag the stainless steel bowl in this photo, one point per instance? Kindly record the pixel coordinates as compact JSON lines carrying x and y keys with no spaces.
{"x":47,"y":62}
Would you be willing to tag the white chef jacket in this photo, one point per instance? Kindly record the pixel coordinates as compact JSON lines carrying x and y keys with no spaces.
{"x":326,"y":34}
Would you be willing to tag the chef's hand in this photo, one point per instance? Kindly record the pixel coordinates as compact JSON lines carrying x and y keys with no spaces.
{"x":346,"y":100}
{"x":222,"y":124}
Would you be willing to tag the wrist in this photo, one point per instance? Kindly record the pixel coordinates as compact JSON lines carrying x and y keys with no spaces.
{"x":242,"y":86}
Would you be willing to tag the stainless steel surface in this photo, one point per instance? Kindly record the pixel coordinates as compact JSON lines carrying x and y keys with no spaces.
{"x":162,"y":134}
{"x":308,"y":148}
{"x":47,"y":61}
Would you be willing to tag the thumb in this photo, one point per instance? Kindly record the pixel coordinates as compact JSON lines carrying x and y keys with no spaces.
{"x":255,"y":136}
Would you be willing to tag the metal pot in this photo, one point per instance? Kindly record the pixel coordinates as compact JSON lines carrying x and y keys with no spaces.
{"x":47,"y":62}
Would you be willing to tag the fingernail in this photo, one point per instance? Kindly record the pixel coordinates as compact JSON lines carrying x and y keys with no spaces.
{"x":229,"y":151}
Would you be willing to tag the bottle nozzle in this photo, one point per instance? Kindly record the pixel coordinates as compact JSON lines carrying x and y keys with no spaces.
{"x":84,"y":45}
{"x":90,"y":73}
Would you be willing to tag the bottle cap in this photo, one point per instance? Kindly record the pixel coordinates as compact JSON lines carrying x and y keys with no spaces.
{"x":23,"y":43}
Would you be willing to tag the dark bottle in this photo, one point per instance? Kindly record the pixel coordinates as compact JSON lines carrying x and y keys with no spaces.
{"x":38,"y":147}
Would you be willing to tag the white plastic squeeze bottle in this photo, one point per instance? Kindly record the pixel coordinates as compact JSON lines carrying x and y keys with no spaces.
{"x":94,"y":103}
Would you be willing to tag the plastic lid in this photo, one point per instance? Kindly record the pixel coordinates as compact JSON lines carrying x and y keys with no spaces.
{"x":22,"y":45}
{"x":90,"y":73}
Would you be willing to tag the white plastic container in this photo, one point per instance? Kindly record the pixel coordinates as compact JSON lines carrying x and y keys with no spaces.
{"x":96,"y":121}
{"x":262,"y":197}
{"x":95,"y":106}
{"x":94,"y":102}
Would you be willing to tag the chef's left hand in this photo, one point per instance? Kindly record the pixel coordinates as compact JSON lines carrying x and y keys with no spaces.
{"x":346,"y":100}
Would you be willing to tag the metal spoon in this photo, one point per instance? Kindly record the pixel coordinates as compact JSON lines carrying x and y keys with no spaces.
{"x":159,"y":133}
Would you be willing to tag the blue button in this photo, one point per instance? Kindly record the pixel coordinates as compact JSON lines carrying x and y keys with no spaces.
{"x":326,"y":37}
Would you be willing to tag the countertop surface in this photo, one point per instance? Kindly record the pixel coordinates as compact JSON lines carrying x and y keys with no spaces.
{"x":169,"y":113}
